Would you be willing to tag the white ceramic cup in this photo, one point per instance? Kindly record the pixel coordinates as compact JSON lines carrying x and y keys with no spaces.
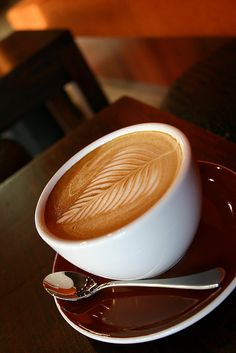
{"x":151,"y":244}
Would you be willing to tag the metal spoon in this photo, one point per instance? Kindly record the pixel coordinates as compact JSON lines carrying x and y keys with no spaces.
{"x":73,"y":286}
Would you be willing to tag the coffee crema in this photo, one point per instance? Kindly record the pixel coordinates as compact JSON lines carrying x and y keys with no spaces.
{"x":113,"y":185}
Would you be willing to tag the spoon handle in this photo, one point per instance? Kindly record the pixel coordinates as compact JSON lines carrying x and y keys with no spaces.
{"x":203,"y":280}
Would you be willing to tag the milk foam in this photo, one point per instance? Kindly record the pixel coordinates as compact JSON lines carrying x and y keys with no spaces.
{"x":113,"y":185}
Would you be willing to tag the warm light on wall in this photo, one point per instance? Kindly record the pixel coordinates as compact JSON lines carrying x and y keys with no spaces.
{"x":26,"y":17}
{"x":140,"y":18}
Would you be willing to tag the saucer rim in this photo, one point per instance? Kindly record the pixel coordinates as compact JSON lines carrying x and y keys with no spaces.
{"x":157,"y":335}
{"x":162,"y":333}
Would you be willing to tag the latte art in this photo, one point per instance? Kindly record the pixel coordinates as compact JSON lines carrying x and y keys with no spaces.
{"x":129,"y":175}
{"x":113,"y":185}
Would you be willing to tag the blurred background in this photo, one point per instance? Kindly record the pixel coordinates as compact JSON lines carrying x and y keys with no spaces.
{"x":145,"y":42}
{"x":135,"y":48}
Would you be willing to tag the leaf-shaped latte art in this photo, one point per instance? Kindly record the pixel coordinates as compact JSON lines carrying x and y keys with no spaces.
{"x":131,"y":173}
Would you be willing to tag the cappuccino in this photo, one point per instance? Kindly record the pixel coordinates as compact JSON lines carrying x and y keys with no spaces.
{"x":113,"y":185}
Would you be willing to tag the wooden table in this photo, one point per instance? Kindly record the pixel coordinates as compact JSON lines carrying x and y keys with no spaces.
{"x":30,"y":321}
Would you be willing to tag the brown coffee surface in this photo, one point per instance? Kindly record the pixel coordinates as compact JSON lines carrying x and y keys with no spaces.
{"x":113,"y":185}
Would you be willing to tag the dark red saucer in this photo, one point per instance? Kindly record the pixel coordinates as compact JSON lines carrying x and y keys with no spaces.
{"x":131,"y":315}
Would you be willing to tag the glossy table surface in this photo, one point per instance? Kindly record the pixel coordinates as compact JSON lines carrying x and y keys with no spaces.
{"x":30,"y":321}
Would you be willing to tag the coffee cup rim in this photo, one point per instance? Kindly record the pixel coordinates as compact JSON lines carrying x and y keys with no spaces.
{"x":41,"y":227}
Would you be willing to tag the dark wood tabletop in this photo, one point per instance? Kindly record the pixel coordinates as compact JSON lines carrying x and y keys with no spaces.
{"x":30,"y":321}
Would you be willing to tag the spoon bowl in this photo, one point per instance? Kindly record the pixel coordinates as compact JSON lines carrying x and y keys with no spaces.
{"x":73,"y":286}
